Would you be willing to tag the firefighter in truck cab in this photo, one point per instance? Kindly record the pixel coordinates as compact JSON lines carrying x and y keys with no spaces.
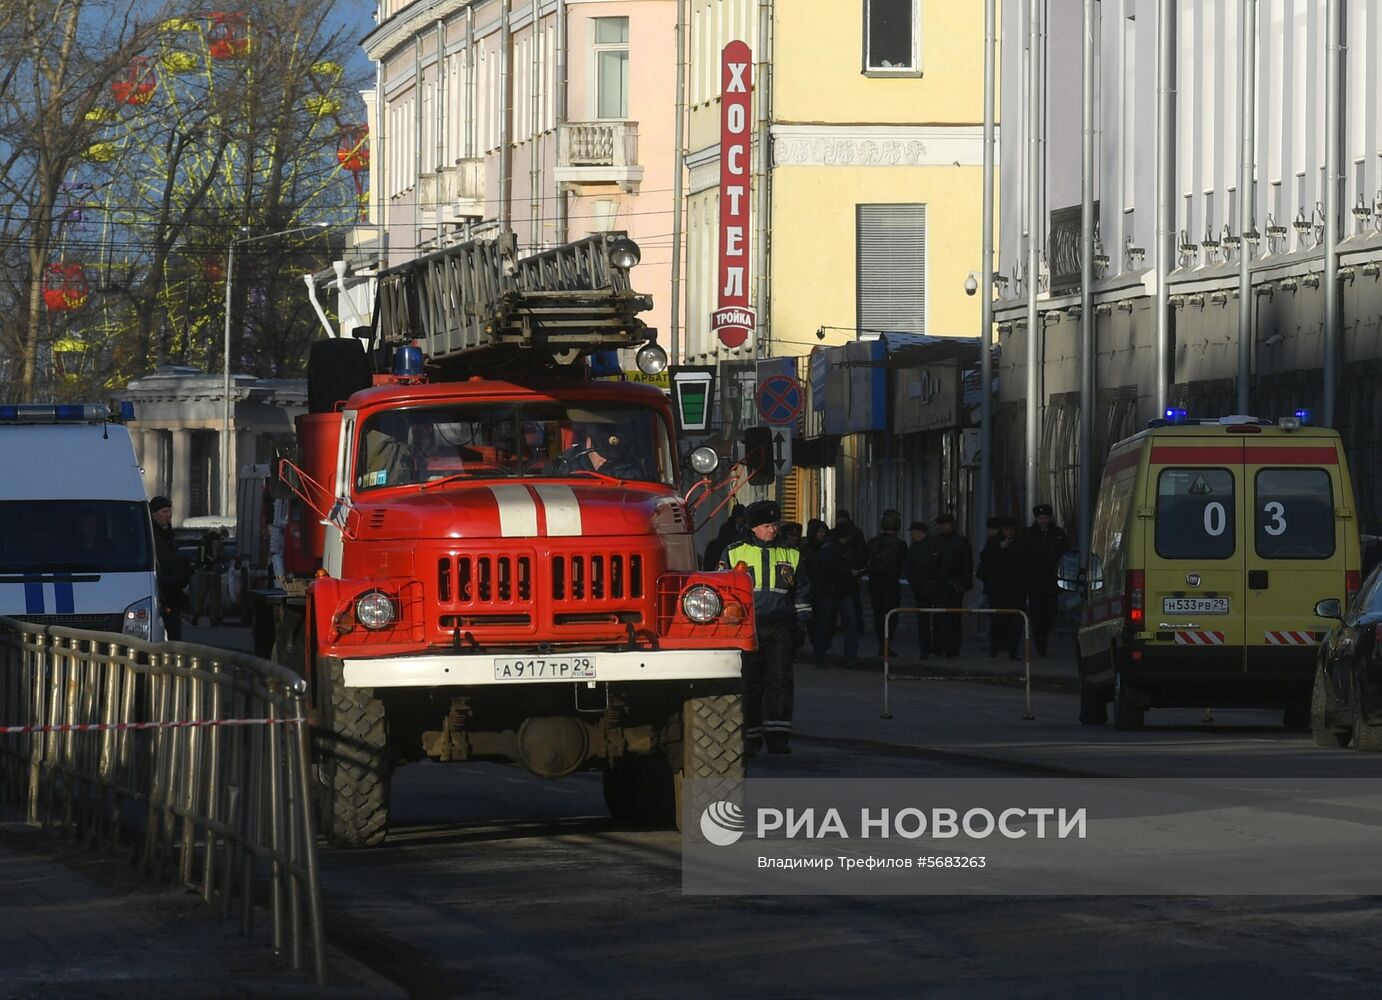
{"x":781,"y":608}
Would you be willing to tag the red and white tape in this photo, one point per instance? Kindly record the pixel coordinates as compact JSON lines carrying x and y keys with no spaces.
{"x":100,"y":727}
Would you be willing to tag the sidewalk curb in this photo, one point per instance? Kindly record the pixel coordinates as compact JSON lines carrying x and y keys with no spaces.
{"x":964,"y":670}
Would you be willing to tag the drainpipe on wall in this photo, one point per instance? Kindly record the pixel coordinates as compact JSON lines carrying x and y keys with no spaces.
{"x":763,"y":87}
{"x":1247,"y":196}
{"x":535,"y":136}
{"x":470,"y":137}
{"x":560,"y":111}
{"x":1085,"y":506}
{"x":417,"y":143}
{"x":678,"y":166}
{"x":1165,"y":178}
{"x":505,"y":119}
{"x":1333,"y":134}
{"x":986,"y":435}
{"x":441,"y":103}
{"x":1033,"y":248}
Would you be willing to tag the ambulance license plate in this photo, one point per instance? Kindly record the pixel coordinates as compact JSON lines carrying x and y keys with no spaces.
{"x":1194,"y":605}
{"x":544,"y":668}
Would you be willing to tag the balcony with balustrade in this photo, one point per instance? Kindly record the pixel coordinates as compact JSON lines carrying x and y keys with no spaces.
{"x":454,"y":194}
{"x":598,"y":153}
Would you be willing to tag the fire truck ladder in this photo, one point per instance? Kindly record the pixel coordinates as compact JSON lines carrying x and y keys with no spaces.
{"x":479,"y":296}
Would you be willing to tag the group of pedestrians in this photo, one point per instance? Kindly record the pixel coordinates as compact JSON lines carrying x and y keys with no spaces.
{"x":1019,"y":572}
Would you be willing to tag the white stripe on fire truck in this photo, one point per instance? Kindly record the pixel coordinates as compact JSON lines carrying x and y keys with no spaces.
{"x":562,"y":509}
{"x":517,"y":511}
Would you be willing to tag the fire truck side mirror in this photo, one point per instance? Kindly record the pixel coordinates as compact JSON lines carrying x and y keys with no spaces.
{"x":758,"y":455}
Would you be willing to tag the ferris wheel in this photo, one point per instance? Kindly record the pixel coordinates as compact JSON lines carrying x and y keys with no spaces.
{"x":174,"y":142}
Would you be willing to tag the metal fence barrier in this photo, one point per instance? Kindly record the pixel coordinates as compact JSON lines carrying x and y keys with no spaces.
{"x":1026,"y":645}
{"x":195,"y":758}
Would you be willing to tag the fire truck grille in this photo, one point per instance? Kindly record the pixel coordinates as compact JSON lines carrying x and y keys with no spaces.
{"x":490,"y":580}
{"x":597,"y":577}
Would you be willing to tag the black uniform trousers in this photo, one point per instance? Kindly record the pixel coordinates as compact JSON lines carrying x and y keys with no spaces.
{"x":768,"y":688}
{"x":885,"y":595}
{"x":1042,"y":608}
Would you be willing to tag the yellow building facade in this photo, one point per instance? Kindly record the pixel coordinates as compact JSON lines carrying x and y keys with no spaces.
{"x":845,"y":130}
{"x":870,"y":181}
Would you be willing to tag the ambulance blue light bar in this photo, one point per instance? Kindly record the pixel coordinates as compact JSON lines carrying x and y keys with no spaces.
{"x":1176,"y":415}
{"x":1306,"y":417}
{"x":50,"y":413}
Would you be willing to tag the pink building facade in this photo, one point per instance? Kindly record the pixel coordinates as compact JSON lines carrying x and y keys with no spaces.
{"x":552,"y":118}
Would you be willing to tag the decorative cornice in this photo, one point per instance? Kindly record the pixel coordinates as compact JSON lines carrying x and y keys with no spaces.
{"x":876,"y":146}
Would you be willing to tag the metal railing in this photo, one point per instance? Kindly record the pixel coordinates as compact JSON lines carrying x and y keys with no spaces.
{"x":194,"y":758}
{"x":1026,"y":646}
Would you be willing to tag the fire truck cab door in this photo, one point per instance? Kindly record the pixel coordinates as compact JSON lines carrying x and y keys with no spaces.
{"x":332,"y":542}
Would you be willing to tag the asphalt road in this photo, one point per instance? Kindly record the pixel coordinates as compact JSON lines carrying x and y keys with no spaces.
{"x":496,"y":884}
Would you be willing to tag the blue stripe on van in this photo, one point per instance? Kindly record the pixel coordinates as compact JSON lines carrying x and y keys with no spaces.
{"x":62,"y":594}
{"x":33,"y":598}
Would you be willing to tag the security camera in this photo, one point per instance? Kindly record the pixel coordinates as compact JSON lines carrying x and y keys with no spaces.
{"x":971,"y":285}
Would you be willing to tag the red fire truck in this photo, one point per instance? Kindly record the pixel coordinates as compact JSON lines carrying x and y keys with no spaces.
{"x":487,"y":555}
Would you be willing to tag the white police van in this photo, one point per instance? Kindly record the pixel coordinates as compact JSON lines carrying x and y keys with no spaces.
{"x":76,"y":539}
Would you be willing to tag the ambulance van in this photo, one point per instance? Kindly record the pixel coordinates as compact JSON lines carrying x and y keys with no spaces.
{"x":1212,"y":541}
{"x":76,"y":539}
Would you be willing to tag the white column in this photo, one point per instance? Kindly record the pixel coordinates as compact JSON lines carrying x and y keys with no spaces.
{"x":180,"y":474}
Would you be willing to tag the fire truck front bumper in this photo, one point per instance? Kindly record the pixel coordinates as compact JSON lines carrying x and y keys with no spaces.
{"x":464,"y":670}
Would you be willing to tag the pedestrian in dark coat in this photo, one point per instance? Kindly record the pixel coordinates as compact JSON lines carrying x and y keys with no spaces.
{"x":886,"y":555}
{"x":1004,"y":567}
{"x":1046,"y":543}
{"x":923,"y":572}
{"x":171,"y":568}
{"x":836,"y":584}
{"x":817,"y":531}
{"x":733,"y":530}
{"x":956,"y":561}
{"x":858,"y":550}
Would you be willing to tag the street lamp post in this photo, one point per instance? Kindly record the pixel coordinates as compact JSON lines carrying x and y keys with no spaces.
{"x":227,"y":474}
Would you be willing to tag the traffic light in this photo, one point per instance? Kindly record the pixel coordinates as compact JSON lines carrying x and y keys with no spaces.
{"x":758,"y":455}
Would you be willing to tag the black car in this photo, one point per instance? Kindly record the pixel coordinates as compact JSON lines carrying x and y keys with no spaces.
{"x":1346,"y":705}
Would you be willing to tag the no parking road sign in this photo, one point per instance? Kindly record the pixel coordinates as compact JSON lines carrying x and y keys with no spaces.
{"x":779,"y":399}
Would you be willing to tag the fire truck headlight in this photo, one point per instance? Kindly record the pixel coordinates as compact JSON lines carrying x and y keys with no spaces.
{"x":376,"y":610}
{"x":705,"y":461}
{"x":651,"y":359}
{"x":701,"y":604}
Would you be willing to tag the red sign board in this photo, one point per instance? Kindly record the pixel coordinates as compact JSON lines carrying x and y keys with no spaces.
{"x":734,"y":321}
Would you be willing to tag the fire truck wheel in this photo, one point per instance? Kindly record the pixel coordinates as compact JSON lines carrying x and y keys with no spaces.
{"x":335,"y":370}
{"x":712,"y":750}
{"x":353,"y":761}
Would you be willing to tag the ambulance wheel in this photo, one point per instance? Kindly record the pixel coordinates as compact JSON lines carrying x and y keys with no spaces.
{"x":336,"y":369}
{"x":1093,"y":704}
{"x":1321,"y":731}
{"x":353,"y":762}
{"x":1128,"y":712}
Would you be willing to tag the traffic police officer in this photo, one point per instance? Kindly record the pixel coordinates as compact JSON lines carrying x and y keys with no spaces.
{"x":781,"y":606}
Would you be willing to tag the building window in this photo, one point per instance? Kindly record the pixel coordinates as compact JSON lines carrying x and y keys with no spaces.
{"x":892,"y":37}
{"x":611,"y":67}
{"x":890,"y":268}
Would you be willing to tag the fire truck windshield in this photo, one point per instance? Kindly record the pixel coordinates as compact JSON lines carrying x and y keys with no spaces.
{"x":485,"y":440}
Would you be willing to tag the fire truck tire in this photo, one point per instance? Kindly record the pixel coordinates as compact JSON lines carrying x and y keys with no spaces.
{"x":354,"y":765}
{"x":712,"y":750}
{"x":335,"y":369}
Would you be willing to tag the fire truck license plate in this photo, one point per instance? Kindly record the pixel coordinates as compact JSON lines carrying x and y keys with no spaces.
{"x":1194,"y":605}
{"x":544,"y":668}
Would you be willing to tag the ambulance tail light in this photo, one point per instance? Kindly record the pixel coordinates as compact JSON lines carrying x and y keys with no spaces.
{"x":1136,"y":591}
{"x":1353,"y":582}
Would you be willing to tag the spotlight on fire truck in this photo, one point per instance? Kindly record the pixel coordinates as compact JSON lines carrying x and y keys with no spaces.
{"x":651,"y":359}
{"x":624,"y":253}
{"x":375,"y":610}
{"x":702,"y":604}
{"x":705,"y":460}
